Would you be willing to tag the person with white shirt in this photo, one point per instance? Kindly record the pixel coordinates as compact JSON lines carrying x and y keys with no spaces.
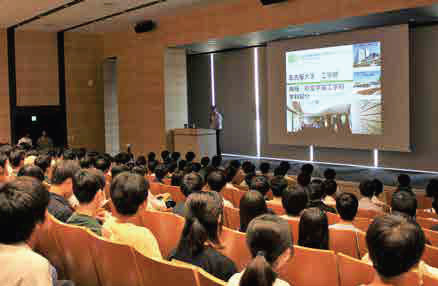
{"x":367,"y":189}
{"x":346,"y":205}
{"x":269,"y":240}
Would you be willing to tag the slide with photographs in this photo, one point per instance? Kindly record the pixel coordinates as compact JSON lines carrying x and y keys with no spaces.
{"x":335,"y":89}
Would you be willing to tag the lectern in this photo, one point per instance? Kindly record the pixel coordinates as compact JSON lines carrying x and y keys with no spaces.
{"x":200,"y":141}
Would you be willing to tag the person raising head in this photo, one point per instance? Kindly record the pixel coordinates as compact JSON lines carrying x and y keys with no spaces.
{"x":278,"y":187}
{"x":265,"y":168}
{"x":395,"y":246}
{"x":61,"y":189}
{"x":294,"y":202}
{"x":313,"y":229}
{"x":16,"y":159}
{"x":346,"y":205}
{"x":129,"y":194}
{"x":404,"y":203}
{"x":216,"y":182}
{"x":191,"y":183}
{"x":404,"y":183}
{"x":260,"y":184}
{"x":44,"y":162}
{"x":200,"y":236}
{"x":269,"y":240}
{"x":252,"y":204}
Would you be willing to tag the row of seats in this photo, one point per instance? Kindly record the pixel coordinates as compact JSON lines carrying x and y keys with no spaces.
{"x":89,"y":260}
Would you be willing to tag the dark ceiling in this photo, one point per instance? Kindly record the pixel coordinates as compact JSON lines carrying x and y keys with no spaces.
{"x":414,"y":17}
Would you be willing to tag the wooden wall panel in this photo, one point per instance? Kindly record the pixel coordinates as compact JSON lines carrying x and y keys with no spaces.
{"x":84,"y":91}
{"x":37,"y":68}
{"x":5,"y":122}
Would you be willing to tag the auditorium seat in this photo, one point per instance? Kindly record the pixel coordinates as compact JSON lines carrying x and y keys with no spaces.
{"x":206,"y":279}
{"x":344,"y":241}
{"x":166,"y":227}
{"x":278,"y":209}
{"x":46,"y":245}
{"x":332,"y":218}
{"x":228,"y":194}
{"x":362,"y":223}
{"x":115,"y":263}
{"x":235,"y":247}
{"x":426,"y":214}
{"x":175,"y":193}
{"x":354,"y":272}
{"x":237,"y":196}
{"x":362,"y":243}
{"x":367,"y":213}
{"x":75,"y":243}
{"x":426,"y":223}
{"x":432,"y":236}
{"x":294,"y":225}
{"x":430,"y":256}
{"x":311,"y":267}
{"x":429,"y":281}
{"x":155,"y":273}
{"x":231,"y":218}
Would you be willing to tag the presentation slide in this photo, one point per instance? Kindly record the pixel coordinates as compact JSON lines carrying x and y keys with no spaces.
{"x":335,"y":89}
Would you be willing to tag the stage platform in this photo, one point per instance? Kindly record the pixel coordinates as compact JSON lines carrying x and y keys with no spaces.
{"x":344,"y":172}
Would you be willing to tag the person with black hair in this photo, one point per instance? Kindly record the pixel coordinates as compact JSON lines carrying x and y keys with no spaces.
{"x":122,"y":158}
{"x":165,"y":156}
{"x":346,"y":205}
{"x":68,"y":155}
{"x":31,"y":171}
{"x":3,"y":168}
{"x":404,"y":183}
{"x":176,"y":179}
{"x":404,"y":203}
{"x":87,"y":188}
{"x":152,"y":165}
{"x":265,"y":168}
{"x":118,"y":169}
{"x":230,"y":174}
{"x":129,"y":194}
{"x":45,"y":163}
{"x":61,"y":189}
{"x":249,"y":169}
{"x":313,"y":229}
{"x":330,"y":187}
{"x":176,"y":156}
{"x":23,"y":205}
{"x":200,"y":236}
{"x":141,"y":161}
{"x":378,"y":190}
{"x":196,"y":167}
{"x":182,"y":165}
{"x":85,"y":163}
{"x":307,"y":169}
{"x":294,"y":202}
{"x":316,"y":196}
{"x":260,"y":184}
{"x":252,"y":204}
{"x":160,"y":173}
{"x":216,"y":161}
{"x":330,"y":174}
{"x":190,"y":156}
{"x":216,"y":182}
{"x":103,"y":164}
{"x":205,"y":164}
{"x":395,"y":245}
{"x":140,"y":170}
{"x":172,"y":168}
{"x":278,"y":186}
{"x":303,"y":182}
{"x":16,"y":159}
{"x":435,"y":210}
{"x":367,"y":190}
{"x":191,"y":183}
{"x":269,"y":240}
{"x":151,"y":156}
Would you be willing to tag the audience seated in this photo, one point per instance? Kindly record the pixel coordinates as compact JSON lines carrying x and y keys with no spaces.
{"x":118,"y":169}
{"x":23,"y":204}
{"x":316,"y":196}
{"x":249,"y":169}
{"x":16,"y":159}
{"x":104,"y":164}
{"x":260,"y":184}
{"x":283,"y":170}
{"x":61,"y":189}
{"x":191,"y":183}
{"x":240,"y":176}
{"x":378,"y":189}
{"x":435,"y":208}
{"x":330,"y":187}
{"x":347,"y":205}
{"x":278,"y":186}
{"x":200,"y":236}
{"x":139,"y":170}
{"x":432,"y":192}
{"x":160,"y":173}
{"x":330,"y":174}
{"x":140,"y":161}
{"x":152,"y":165}
{"x":252,"y":205}
{"x":151,"y":157}
{"x":3,"y":168}
{"x":177,"y":178}
{"x":87,"y":187}
{"x":190,"y":156}
{"x":313,"y":229}
{"x":404,"y":183}
{"x":395,"y":246}
{"x":182,"y":165}
{"x":270,"y":243}
{"x":303,"y":181}
{"x":129,"y":193}
{"x":367,"y":190}
{"x":175,"y":156}
{"x":31,"y":171}
{"x":45,"y":163}
{"x":404,"y":203}
{"x":230,"y":175}
{"x":216,"y":182}
{"x":307,"y":169}
{"x":205,"y":163}
{"x":294,"y":202}
{"x":165,"y":156}
{"x":265,"y":168}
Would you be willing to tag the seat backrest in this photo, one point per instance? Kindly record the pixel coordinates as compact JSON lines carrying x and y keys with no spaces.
{"x":344,"y":241}
{"x":278,"y":209}
{"x":115,"y":263}
{"x":237,"y":196}
{"x":294,"y":225}
{"x":426,"y":223}
{"x":426,"y":214}
{"x":362,"y":243}
{"x":432,"y":236}
{"x":430,"y":256}
{"x":423,"y":201}
{"x":332,"y":218}
{"x":232,"y":218}
{"x":228,"y":194}
{"x":362,"y":223}
{"x":206,"y":279}
{"x":311,"y":267}
{"x":354,"y":272}
{"x":46,"y":245}
{"x":367,"y":213}
{"x":235,"y":247}
{"x":166,"y":227}
{"x":75,"y":243}
{"x":175,"y":192}
{"x":154,"y":272}
{"x":429,"y":280}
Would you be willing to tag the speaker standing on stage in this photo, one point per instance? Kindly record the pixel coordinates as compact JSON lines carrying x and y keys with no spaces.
{"x":216,"y":123}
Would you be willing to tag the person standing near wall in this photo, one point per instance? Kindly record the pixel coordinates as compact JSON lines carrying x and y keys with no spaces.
{"x":216,"y":120}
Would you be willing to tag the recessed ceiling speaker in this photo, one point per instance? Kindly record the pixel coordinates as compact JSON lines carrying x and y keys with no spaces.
{"x":145,"y":26}
{"x":269,"y":2}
